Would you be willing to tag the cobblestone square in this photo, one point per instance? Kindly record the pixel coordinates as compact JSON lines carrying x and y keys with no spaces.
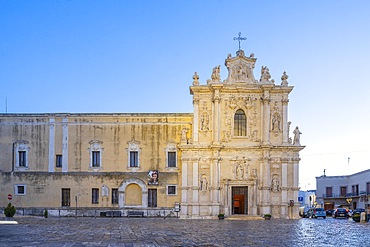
{"x":137,"y":232}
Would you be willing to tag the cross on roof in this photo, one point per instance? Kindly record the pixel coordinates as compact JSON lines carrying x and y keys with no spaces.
{"x":240,"y":38}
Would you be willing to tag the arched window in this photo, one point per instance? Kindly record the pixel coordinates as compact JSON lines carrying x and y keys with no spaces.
{"x":240,"y":123}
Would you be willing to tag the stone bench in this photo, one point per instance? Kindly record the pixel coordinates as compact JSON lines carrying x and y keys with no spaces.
{"x":135,"y":213}
{"x":113,"y":214}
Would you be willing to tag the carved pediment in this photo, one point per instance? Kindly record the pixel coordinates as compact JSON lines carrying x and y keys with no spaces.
{"x":240,"y":68}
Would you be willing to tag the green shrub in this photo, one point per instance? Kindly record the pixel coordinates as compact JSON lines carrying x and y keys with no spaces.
{"x":9,"y":210}
{"x":46,"y":214}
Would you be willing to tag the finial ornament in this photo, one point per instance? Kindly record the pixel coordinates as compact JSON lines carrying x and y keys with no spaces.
{"x":195,"y":79}
{"x":240,"y":38}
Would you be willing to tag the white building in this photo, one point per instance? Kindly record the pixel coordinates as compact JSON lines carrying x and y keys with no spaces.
{"x":350,"y":191}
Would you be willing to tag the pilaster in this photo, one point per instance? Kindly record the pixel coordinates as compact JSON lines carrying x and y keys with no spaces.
{"x":196,"y":120}
{"x":65,"y":145}
{"x":51,"y":145}
{"x":285,"y":121}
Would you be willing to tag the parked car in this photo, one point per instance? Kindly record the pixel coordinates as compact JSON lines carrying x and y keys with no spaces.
{"x":357,"y":214}
{"x":319,"y":212}
{"x":340,"y":213}
{"x":305,"y":212}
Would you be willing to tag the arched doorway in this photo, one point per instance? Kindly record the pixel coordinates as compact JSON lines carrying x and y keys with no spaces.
{"x":130,"y":191}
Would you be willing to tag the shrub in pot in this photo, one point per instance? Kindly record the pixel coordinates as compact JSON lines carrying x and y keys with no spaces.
{"x":9,"y":210}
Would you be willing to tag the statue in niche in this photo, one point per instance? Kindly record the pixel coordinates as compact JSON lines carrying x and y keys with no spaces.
{"x":275,"y":185}
{"x":203,"y":183}
{"x":239,"y":171}
{"x":276,"y":122}
{"x":284,"y":79}
{"x":204,"y":120}
{"x":184,"y":131}
{"x":297,"y":136}
{"x":195,"y":79}
{"x":265,"y":74}
{"x":216,"y":73}
{"x":104,"y":190}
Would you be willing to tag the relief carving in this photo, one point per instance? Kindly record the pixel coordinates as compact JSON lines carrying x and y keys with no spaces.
{"x":240,"y":68}
{"x":204,"y":118}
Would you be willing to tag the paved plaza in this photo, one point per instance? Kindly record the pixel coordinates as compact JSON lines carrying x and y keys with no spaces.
{"x":135,"y":232}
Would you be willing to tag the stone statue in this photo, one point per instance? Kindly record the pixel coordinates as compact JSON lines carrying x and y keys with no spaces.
{"x":203,"y":183}
{"x":184,"y":131}
{"x":216,"y":73}
{"x":297,"y":136}
{"x":284,"y":79}
{"x":275,"y":187}
{"x":276,"y":122}
{"x":104,"y":190}
{"x":195,"y":79}
{"x":265,"y":74}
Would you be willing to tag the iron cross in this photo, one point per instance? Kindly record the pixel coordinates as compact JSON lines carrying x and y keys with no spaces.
{"x":239,"y":38}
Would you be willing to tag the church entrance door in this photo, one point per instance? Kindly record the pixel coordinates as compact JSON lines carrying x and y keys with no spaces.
{"x":240,"y":200}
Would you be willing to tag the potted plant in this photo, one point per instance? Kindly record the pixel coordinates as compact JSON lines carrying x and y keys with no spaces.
{"x":221,"y":216}
{"x":267,"y":216}
{"x":9,"y":211}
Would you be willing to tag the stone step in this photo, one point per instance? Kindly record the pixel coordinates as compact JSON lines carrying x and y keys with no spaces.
{"x":244,"y":217}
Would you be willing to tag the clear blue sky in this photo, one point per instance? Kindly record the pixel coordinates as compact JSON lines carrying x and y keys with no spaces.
{"x":107,"y":56}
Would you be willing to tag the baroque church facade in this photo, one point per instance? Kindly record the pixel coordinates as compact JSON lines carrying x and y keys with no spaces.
{"x":233,"y":155}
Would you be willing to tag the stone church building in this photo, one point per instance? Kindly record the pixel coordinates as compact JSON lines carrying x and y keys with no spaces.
{"x":232,"y":155}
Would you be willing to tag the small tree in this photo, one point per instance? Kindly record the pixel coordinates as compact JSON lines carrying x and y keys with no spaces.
{"x":46,"y":214}
{"x":9,"y":210}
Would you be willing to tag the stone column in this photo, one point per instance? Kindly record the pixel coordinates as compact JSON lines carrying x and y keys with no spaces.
{"x":65,"y":145}
{"x":295,"y":188}
{"x":184,"y":190}
{"x":51,"y":145}
{"x":196,"y":120}
{"x":266,"y":184}
{"x":195,"y":188}
{"x":285,"y":121}
{"x":284,"y":187}
{"x":266,"y":118}
{"x":216,"y":117}
{"x":215,"y":185}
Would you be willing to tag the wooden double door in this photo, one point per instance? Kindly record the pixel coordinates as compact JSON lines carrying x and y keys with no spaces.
{"x":239,"y":200}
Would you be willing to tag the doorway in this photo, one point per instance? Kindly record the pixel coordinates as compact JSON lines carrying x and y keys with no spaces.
{"x":152,"y":198}
{"x":239,"y":200}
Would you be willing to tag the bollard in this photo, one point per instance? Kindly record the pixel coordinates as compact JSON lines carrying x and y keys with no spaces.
{"x":363,"y":217}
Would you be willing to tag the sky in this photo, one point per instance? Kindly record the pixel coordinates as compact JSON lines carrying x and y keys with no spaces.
{"x":95,"y":56}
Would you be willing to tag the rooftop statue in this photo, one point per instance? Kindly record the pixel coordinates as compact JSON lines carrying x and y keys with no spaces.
{"x":265,"y":74}
{"x":216,"y":74}
{"x":297,"y":137}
